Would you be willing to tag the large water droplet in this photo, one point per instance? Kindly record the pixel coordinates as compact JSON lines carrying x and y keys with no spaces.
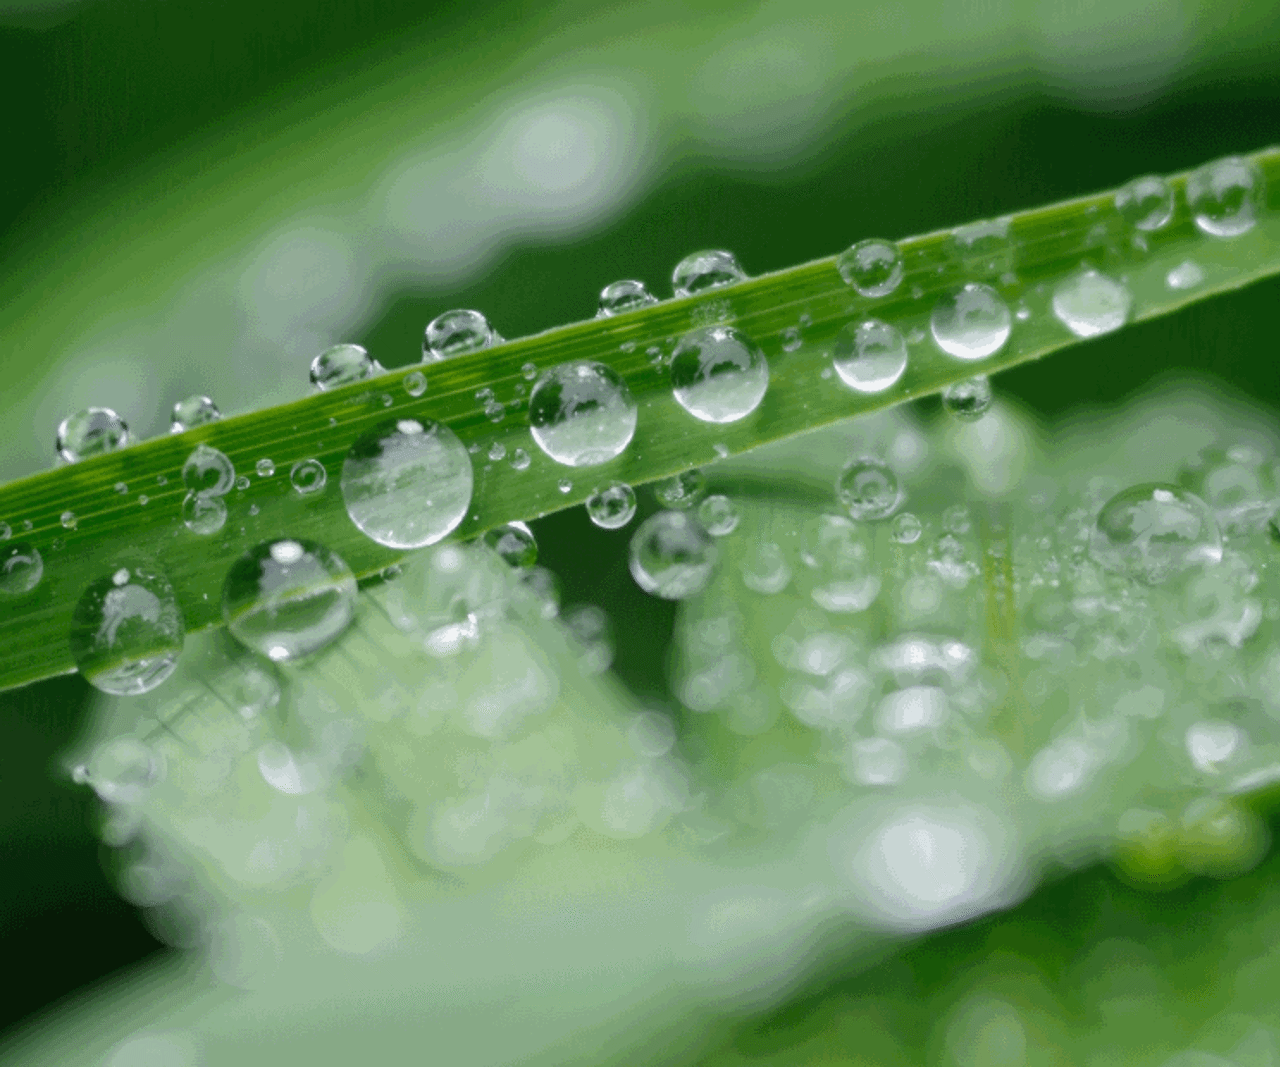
{"x":582,"y":413}
{"x":194,"y":411}
{"x":968,"y":400}
{"x":407,"y":483}
{"x":20,"y":568}
{"x":1089,"y":303}
{"x":1225,"y":196}
{"x":971,"y":323}
{"x":868,"y":488}
{"x":872,"y":267}
{"x":455,"y":333}
{"x":624,"y":296}
{"x":672,"y":556}
{"x":870,"y":356}
{"x":1152,"y":531}
{"x":203,"y":513}
{"x":208,"y":472}
{"x":126,"y":630}
{"x":91,"y":432}
{"x":1146,"y":203}
{"x":984,"y":248}
{"x":515,"y":543}
{"x":288,"y":598}
{"x":341,"y":365}
{"x":718,"y":374}
{"x":612,"y":507}
{"x":701,"y":271}
{"x":718,"y":515}
{"x":308,"y":476}
{"x":681,"y":491}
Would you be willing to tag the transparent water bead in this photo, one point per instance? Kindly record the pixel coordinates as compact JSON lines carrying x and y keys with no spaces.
{"x":203,"y":514}
{"x":308,"y":476}
{"x":415,"y":383}
{"x":288,"y":598}
{"x":455,"y":333}
{"x":520,"y":460}
{"x":127,"y":631}
{"x":1089,"y":303}
{"x":718,"y":374}
{"x":91,"y":432}
{"x":1186,"y":275}
{"x":984,"y":248}
{"x":265,"y":468}
{"x":701,"y":271}
{"x":972,"y":323}
{"x":718,"y":515}
{"x":582,"y":413}
{"x":407,"y":483}
{"x":968,"y":400}
{"x":1225,"y":196}
{"x":196,"y":410}
{"x":208,"y":472}
{"x":1153,"y":531}
{"x":870,"y":356}
{"x":68,"y":520}
{"x":838,"y":554}
{"x":341,"y":365}
{"x":1146,"y":203}
{"x":515,"y":543}
{"x":873,"y":267}
{"x":681,"y":491}
{"x":672,"y":556}
{"x":906,"y":528}
{"x":765,"y":568}
{"x":612,"y":506}
{"x":623,"y":296}
{"x":21,"y":568}
{"x":868,"y":488}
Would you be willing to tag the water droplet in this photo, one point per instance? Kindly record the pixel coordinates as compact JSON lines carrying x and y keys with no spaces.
{"x":681,"y":491}
{"x":143,"y":500}
{"x":265,"y":468}
{"x":203,"y":514}
{"x":721,"y":450}
{"x":520,"y":460}
{"x":455,"y":333}
{"x":672,"y":556}
{"x":194,"y":411}
{"x":1186,"y":275}
{"x":242,"y":482}
{"x":838,"y":552}
{"x":497,"y":452}
{"x":288,"y":598}
{"x":582,"y":414}
{"x":1225,"y":196}
{"x":1152,"y":531}
{"x":21,"y":568}
{"x":494,"y":410}
{"x":872,"y":267}
{"x":984,"y":248}
{"x":515,"y":543}
{"x":870,"y":356}
{"x":971,"y":323}
{"x":718,"y":374}
{"x":341,"y":365}
{"x":906,"y":528}
{"x":968,"y":400}
{"x":791,"y":339}
{"x":68,"y":520}
{"x":208,"y":472}
{"x":407,"y":483}
{"x":126,"y":630}
{"x":868,"y":488}
{"x":564,"y":485}
{"x":623,"y":296}
{"x":415,"y":383}
{"x":1089,"y":303}
{"x":308,"y":476}
{"x":701,"y":271}
{"x":1146,"y":203}
{"x":612,"y":507}
{"x":121,"y":487}
{"x":91,"y":432}
{"x":718,"y":515}
{"x":529,"y":371}
{"x":765,"y":568}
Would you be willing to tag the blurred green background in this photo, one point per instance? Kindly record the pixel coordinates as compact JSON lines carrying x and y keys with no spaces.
{"x":201,"y":197}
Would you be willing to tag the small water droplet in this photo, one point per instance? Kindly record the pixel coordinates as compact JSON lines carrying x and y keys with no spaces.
{"x":721,"y":450}
{"x":870,"y":356}
{"x":27,"y":525}
{"x":1089,"y":303}
{"x":288,"y":598}
{"x":415,"y":383}
{"x":242,"y":482}
{"x":984,"y":248}
{"x":765,"y":568}
{"x":21,"y":568}
{"x":1152,"y":531}
{"x":868,"y":488}
{"x":455,"y":333}
{"x":681,"y":491}
{"x":1225,"y":196}
{"x":68,"y":520}
{"x":529,"y":371}
{"x":494,"y":410}
{"x":582,"y":413}
{"x":718,"y":515}
{"x":121,"y":487}
{"x":906,"y":528}
{"x":837,"y":551}
{"x":718,"y":374}
{"x":520,"y":460}
{"x":203,"y":514}
{"x":1146,"y":203}
{"x":791,"y":339}
{"x":564,"y":485}
{"x":671,"y":556}
{"x":515,"y":543}
{"x":386,"y":400}
{"x":613,"y":506}
{"x":341,"y":365}
{"x":702,"y":271}
{"x":623,"y":296}
{"x":497,"y":452}
{"x":872,"y":267}
{"x":196,"y":410}
{"x":1022,"y":313}
{"x":971,"y":323}
{"x":308,"y":476}
{"x":265,"y":468}
{"x":143,"y":500}
{"x":1186,"y":275}
{"x":208,"y":472}
{"x":968,"y":400}
{"x":253,"y":509}
{"x":91,"y":432}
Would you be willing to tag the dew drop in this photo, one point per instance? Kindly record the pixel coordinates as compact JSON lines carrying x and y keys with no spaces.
{"x":671,"y":556}
{"x":872,"y":267}
{"x":68,"y":520}
{"x":870,"y":356}
{"x":613,"y":506}
{"x":520,"y":460}
{"x":308,"y":476}
{"x":868,"y":488}
{"x":21,"y":568}
{"x":91,"y":432}
{"x":196,"y":410}
{"x":1153,"y":531}
{"x":265,"y":468}
{"x":582,"y":413}
{"x":143,"y":500}
{"x":718,"y":515}
{"x":623,"y":296}
{"x":528,"y":371}
{"x":701,"y":271}
{"x":836,"y":550}
{"x":984,"y":248}
{"x":415,"y":383}
{"x":407,"y":483}
{"x":208,"y":472}
{"x":497,"y":452}
{"x":791,"y":339}
{"x":515,"y":543}
{"x":1186,"y":275}
{"x":765,"y":568}
{"x":242,"y":483}
{"x":203,"y":514}
{"x":288,"y":598}
{"x":1089,"y":303}
{"x":341,"y":365}
{"x":968,"y":400}
{"x":564,"y":485}
{"x":455,"y":333}
{"x":718,"y":374}
{"x":1225,"y":196}
{"x":906,"y":528}
{"x":127,"y":631}
{"x":121,"y":487}
{"x":681,"y":491}
{"x":971,"y":323}
{"x":1146,"y":203}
